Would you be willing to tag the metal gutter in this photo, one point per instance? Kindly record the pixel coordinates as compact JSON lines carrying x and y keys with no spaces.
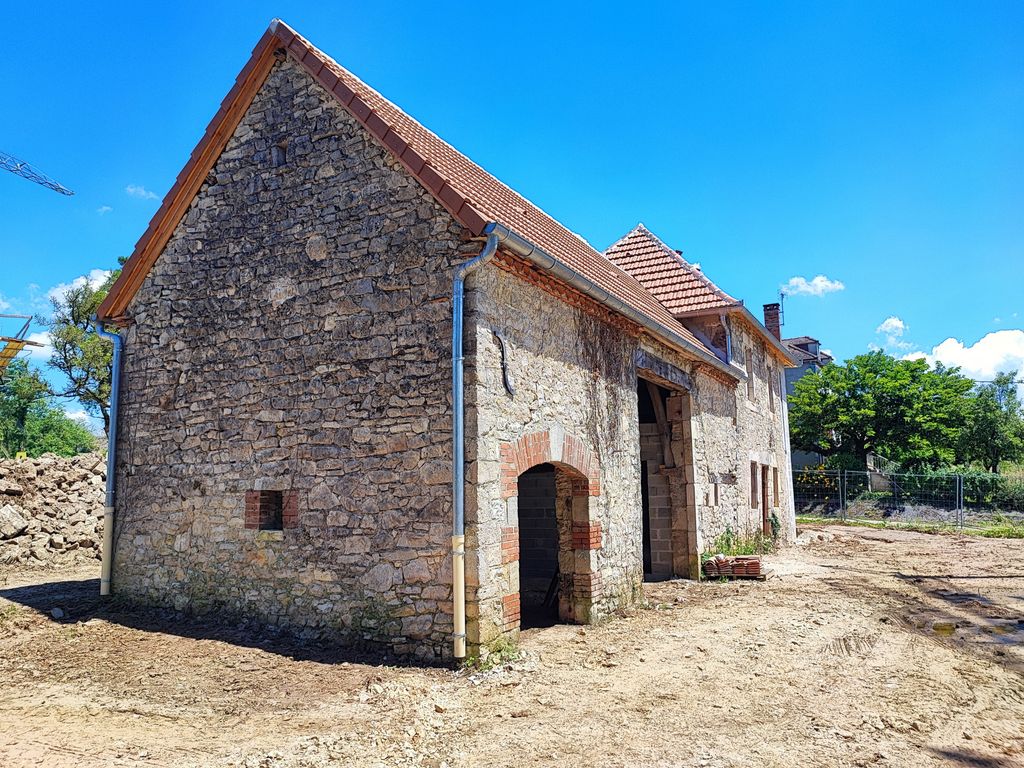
{"x":108,"y":504}
{"x":548,"y":263}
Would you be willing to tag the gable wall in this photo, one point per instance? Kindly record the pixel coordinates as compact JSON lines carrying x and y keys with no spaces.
{"x":294,"y":335}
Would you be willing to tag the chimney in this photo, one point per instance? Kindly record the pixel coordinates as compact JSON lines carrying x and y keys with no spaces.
{"x":772,"y":320}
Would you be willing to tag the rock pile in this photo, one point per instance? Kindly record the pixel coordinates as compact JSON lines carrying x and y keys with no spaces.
{"x":51,"y":509}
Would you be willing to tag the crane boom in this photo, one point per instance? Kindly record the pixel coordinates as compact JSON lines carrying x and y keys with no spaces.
{"x":10,"y":346}
{"x":23,"y":169}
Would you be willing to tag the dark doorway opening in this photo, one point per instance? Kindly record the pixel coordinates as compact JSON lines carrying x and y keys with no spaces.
{"x":539,"y":576}
{"x":655,"y":455}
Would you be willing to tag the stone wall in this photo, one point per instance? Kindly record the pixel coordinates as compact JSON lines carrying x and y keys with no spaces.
{"x":575,"y":380}
{"x":729,"y":431}
{"x":294,"y":337}
{"x":51,"y":509}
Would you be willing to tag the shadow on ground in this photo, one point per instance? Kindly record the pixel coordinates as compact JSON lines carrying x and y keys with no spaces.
{"x":961,"y":757}
{"x":73,"y":601}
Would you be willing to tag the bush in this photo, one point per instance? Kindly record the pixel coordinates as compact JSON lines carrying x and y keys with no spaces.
{"x":1009,"y":495}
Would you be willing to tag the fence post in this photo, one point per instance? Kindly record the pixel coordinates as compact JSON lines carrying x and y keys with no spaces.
{"x":842,"y":495}
{"x":960,"y":500}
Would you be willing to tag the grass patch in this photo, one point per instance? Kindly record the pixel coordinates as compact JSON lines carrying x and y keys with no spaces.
{"x":732,"y":544}
{"x":502,"y":650}
{"x":9,"y":613}
{"x":1000,"y":526}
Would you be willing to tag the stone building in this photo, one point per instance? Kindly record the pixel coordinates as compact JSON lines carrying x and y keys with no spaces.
{"x":285,"y":438}
{"x":808,"y":357}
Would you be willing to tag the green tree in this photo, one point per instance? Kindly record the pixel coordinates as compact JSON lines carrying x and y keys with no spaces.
{"x":901,"y":409}
{"x":30,"y":422}
{"x":79,"y":353}
{"x":20,"y":388}
{"x":49,"y":429}
{"x":994,"y":431}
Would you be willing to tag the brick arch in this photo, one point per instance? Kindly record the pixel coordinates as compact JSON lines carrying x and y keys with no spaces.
{"x":555,"y":447}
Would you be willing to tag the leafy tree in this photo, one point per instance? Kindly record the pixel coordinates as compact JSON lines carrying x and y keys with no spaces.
{"x":901,"y":409}
{"x":82,"y":355}
{"x":49,"y":429}
{"x":30,"y":422}
{"x":995,"y":425}
{"x":20,"y":388}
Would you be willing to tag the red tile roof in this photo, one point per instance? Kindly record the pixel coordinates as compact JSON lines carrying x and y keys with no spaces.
{"x":680,"y":286}
{"x":472,"y":195}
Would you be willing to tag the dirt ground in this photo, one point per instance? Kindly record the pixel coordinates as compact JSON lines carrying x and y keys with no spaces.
{"x":867,"y":648}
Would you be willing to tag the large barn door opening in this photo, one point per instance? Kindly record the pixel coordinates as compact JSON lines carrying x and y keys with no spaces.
{"x":667,"y":482}
{"x":654,"y":482}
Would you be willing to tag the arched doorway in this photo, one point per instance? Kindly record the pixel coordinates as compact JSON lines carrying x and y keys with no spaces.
{"x":549,"y":478}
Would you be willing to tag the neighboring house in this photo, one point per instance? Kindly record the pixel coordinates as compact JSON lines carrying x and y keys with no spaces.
{"x":810,"y":357}
{"x":285,"y":440}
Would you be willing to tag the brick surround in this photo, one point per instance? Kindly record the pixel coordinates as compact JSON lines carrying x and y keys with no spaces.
{"x":510,"y":611}
{"x":271,"y":510}
{"x":586,"y":535}
{"x":509,"y":545}
{"x":544,"y":447}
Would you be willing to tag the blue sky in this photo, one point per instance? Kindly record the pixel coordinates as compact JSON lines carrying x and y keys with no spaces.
{"x":880,"y":145}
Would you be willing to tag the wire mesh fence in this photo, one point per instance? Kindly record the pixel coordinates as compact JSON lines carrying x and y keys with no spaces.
{"x":961,"y":501}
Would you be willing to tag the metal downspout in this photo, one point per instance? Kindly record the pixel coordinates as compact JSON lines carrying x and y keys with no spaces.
{"x":108,"y":505}
{"x":459,"y":446}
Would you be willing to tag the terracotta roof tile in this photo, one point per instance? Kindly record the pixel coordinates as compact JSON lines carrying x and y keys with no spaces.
{"x":467,"y":189}
{"x":473,"y":196}
{"x":677,"y":284}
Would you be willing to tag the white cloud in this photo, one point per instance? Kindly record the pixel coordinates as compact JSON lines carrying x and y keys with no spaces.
{"x":993,"y":353}
{"x":41,"y":354}
{"x":139,"y":191}
{"x":892,"y":326}
{"x":103,"y":210}
{"x":78,"y":414}
{"x":893,"y":329}
{"x":816,"y":286}
{"x":4,"y":303}
{"x":94,"y":279}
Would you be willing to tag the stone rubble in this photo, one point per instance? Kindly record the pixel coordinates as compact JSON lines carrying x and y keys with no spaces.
{"x":51,"y":509}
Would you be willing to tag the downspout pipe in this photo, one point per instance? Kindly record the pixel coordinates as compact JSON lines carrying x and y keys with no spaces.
{"x":459,"y":444}
{"x":539,"y":258}
{"x":108,"y":504}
